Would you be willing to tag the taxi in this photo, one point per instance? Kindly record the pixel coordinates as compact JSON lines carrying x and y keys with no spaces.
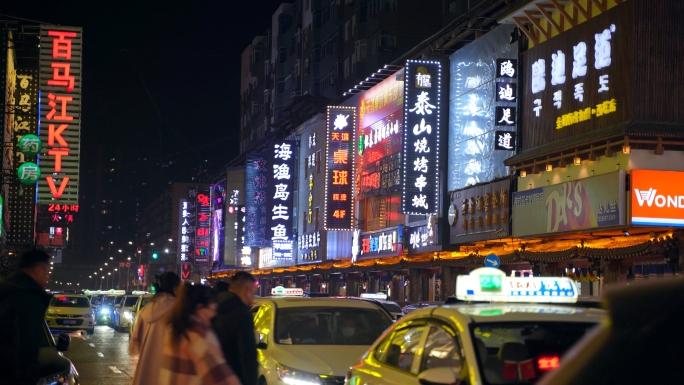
{"x":70,"y":311}
{"x":142,"y":301}
{"x":122,"y":316}
{"x":312,"y":341}
{"x":519,"y":334}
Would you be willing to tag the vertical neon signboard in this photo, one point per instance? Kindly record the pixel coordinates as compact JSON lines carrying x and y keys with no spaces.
{"x":421,"y":140}
{"x":340,"y":169}
{"x":281,"y":197}
{"x":60,"y":113}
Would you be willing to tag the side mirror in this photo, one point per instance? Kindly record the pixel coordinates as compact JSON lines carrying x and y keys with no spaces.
{"x":63,"y":342}
{"x":261,"y":345}
{"x":439,"y":376}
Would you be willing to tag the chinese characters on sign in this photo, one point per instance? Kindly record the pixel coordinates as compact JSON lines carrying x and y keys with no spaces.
{"x":280,"y":192}
{"x":421,"y":140}
{"x":340,"y":168}
{"x":309,"y":243}
{"x":185,"y":231}
{"x":506,"y":68}
{"x":256,"y":184}
{"x":380,"y":243}
{"x":60,"y":113}
{"x":423,"y":236}
{"x":505,"y":140}
{"x":202,"y":224}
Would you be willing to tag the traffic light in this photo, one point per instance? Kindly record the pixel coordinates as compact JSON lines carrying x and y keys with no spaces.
{"x":155,"y":255}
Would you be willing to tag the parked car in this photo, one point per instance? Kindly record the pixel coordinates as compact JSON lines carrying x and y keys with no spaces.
{"x":70,"y":312}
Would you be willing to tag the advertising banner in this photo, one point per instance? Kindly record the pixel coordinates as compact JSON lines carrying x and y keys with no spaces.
{"x":340,"y":170}
{"x":281,"y":197}
{"x":256,"y":192}
{"x":583,"y":204}
{"x":422,"y":120}
{"x":481,"y":103}
{"x":481,"y":213}
{"x":60,"y":113}
{"x":185,"y":231}
{"x":657,"y":198}
{"x":580,"y":80}
{"x":384,"y":243}
{"x":203,"y":224}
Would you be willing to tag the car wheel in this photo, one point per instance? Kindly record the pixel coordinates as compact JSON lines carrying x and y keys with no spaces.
{"x":90,"y":331}
{"x":116,"y":327}
{"x":262,"y":381}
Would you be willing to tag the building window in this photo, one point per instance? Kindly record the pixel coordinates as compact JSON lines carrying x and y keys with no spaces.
{"x":388,"y":5}
{"x":353,"y":25}
{"x":388,"y":41}
{"x":316,"y":212}
{"x":346,"y":31}
{"x":346,"y":68}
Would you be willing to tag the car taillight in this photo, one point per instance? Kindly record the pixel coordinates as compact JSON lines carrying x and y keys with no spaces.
{"x":548,"y":362}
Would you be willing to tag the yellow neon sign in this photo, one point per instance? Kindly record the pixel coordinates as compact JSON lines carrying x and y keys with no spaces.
{"x":565,"y":120}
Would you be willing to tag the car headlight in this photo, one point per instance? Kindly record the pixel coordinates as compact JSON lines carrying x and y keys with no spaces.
{"x":297,"y":377}
{"x":128,"y":315}
{"x":104,"y":311}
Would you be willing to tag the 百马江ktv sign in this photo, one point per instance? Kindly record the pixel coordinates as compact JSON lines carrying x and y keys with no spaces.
{"x":657,"y":198}
{"x":577,"y":205}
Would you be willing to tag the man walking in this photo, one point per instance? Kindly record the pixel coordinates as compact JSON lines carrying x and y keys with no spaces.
{"x":234,"y":327}
{"x":23,"y":302}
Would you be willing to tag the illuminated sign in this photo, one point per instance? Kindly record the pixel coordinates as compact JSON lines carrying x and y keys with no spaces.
{"x":374,"y":295}
{"x":480,"y":212}
{"x":186,"y":271}
{"x":240,"y":220}
{"x":506,"y":68}
{"x":381,"y":243}
{"x":24,"y":123}
{"x":504,"y":140}
{"x":422,"y":236}
{"x":490,"y":284}
{"x":202,"y":224}
{"x":656,"y":199}
{"x":506,"y":92}
{"x":185,"y":215}
{"x":287,"y":291}
{"x":308,"y":242}
{"x":60,"y":113}
{"x":382,"y":99}
{"x":218,"y":236}
{"x":340,"y":170}
{"x":379,"y":164}
{"x":474,"y":115}
{"x":571,"y":206}
{"x":421,"y":142}
{"x":281,"y":195}
{"x":256,"y":193}
{"x":580,"y":80}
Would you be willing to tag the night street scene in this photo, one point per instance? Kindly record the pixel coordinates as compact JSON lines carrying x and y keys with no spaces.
{"x":342,"y":192}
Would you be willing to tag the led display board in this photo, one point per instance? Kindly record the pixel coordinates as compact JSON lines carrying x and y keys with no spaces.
{"x":478,"y":108}
{"x":340,"y":170}
{"x":281,"y":197}
{"x":218,"y":202}
{"x":185,"y":244}
{"x":383,"y":243}
{"x":580,"y":80}
{"x":60,"y":113}
{"x":203,"y":223}
{"x":256,"y":193}
{"x":422,"y":120}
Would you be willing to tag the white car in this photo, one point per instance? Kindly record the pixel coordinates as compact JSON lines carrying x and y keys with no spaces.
{"x":484,"y":344}
{"x":304,"y":341}
{"x":123,"y":312}
{"x":70,"y":312}
{"x":142,"y":301}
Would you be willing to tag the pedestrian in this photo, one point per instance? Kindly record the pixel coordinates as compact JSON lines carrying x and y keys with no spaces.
{"x":149,"y":329}
{"x":192,"y":353}
{"x":24,"y":334}
{"x":221,"y":287}
{"x":235,"y":328}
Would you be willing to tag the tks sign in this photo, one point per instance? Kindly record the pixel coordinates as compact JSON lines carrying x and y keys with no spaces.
{"x":656,"y":200}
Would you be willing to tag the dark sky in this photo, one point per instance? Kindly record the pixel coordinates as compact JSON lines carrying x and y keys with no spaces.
{"x":160,"y":77}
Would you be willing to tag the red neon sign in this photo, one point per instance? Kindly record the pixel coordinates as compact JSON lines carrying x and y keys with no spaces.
{"x":548,"y":363}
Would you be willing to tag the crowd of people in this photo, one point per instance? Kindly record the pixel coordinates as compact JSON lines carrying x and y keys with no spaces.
{"x":188,"y":334}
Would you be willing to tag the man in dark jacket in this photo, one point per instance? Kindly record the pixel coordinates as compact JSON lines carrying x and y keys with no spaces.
{"x":234,"y":327}
{"x":23,"y":302}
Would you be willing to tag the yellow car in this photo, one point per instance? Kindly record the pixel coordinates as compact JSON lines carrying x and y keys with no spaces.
{"x":70,"y":312}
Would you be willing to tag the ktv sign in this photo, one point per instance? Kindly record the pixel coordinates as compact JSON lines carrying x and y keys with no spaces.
{"x":657,"y":198}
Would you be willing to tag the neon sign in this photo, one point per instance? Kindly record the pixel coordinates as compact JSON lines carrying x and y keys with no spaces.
{"x":60,"y":113}
{"x":420,"y":194}
{"x":280,"y":192}
{"x":340,"y":168}
{"x":256,"y":218}
{"x":202,"y":224}
{"x":184,"y":244}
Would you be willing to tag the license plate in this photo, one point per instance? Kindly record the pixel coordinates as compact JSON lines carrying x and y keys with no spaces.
{"x":69,"y":322}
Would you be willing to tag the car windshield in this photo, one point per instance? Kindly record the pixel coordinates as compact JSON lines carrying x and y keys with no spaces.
{"x":521,"y":353}
{"x":145,"y":300}
{"x":65,"y":301}
{"x":117,"y":300}
{"x":391,"y":307}
{"x":330,"y":325}
{"x":130,"y":301}
{"x":108,"y":301}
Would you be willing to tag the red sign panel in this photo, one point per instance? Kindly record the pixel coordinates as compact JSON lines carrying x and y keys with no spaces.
{"x":60,"y":113}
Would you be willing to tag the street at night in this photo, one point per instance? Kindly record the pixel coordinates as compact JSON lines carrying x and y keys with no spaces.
{"x":341,"y":192}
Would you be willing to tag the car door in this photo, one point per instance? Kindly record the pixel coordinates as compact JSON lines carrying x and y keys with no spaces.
{"x":398,"y":355}
{"x":442,"y":349}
